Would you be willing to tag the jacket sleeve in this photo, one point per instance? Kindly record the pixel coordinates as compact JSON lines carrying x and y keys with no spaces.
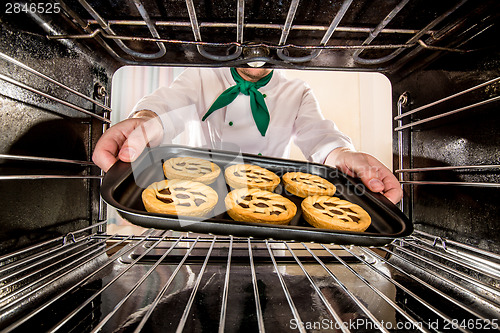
{"x":176,"y":105}
{"x":313,"y":134}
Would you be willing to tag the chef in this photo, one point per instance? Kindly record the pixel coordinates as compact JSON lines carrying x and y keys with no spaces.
{"x":258,"y":110}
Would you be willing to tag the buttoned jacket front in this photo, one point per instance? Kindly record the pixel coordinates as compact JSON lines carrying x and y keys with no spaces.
{"x":294,"y":111}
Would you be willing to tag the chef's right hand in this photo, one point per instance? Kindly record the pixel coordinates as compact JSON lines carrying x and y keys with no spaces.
{"x":126,"y":140}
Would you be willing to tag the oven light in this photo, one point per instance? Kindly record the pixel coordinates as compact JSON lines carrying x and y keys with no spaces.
{"x":252,"y":52}
{"x":256,"y":63}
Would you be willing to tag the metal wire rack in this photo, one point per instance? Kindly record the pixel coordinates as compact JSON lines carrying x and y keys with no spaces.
{"x":50,"y":80}
{"x":105,"y":109}
{"x":183,"y":282}
{"x":92,"y":281}
{"x":403,"y":101}
{"x":92,"y":107}
{"x":102,"y":30}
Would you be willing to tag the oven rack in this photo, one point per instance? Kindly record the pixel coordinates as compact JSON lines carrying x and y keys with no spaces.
{"x":100,"y":93}
{"x":101,"y":29}
{"x":403,"y":101}
{"x":426,"y":282}
{"x":100,"y":89}
{"x":31,"y":159}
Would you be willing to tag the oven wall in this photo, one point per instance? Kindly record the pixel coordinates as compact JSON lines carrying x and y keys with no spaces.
{"x":31,"y":125}
{"x":467,"y":213}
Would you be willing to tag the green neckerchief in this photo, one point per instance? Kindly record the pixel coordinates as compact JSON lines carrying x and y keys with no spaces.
{"x":257,"y":103}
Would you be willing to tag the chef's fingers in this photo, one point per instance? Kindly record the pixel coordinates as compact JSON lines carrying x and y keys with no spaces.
{"x":394,"y":194}
{"x":392,"y":187}
{"x":125,"y":141}
{"x":373,"y":173}
{"x":337,"y":158}
{"x":362,"y":166}
{"x":107,"y":148}
{"x":377,"y":177}
{"x":146,"y":132}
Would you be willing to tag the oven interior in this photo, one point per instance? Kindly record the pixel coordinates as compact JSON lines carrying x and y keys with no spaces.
{"x":61,"y":269}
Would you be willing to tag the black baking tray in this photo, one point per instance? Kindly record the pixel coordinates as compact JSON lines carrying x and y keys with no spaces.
{"x":123,"y":185}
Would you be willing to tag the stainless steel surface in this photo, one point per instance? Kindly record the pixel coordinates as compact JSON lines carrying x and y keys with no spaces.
{"x":310,"y":27}
{"x":400,"y":127}
{"x":188,"y":17}
{"x":99,"y":32}
{"x":39,"y":246}
{"x":293,"y":308}
{"x":49,"y":79}
{"x":449,"y":113}
{"x":447,"y":98}
{"x":390,"y":16}
{"x":165,"y":287}
{"x":82,"y":279}
{"x":460,"y":167}
{"x":123,"y":299}
{"x":43,"y":159}
{"x":467,"y":253}
{"x":379,"y":293}
{"x":101,"y":209}
{"x":56,"y":99}
{"x":197,"y":34}
{"x":328,"y":34}
{"x":402,"y":101}
{"x":189,"y":304}
{"x":48,"y":301}
{"x":33,"y":177}
{"x":325,"y":286}
{"x":414,"y":39}
{"x":437,"y":182}
{"x":225,"y":293}
{"x":161,"y":52}
{"x":31,"y":275}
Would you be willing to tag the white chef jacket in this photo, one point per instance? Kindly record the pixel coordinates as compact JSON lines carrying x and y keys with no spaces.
{"x":293,"y":108}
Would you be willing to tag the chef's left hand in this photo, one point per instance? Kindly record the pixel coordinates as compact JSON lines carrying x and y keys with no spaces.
{"x":375,"y":175}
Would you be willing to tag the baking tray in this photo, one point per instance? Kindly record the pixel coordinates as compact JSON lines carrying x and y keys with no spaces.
{"x":123,"y":185}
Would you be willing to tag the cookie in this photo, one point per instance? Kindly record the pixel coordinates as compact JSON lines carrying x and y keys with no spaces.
{"x":251,"y":176}
{"x":334,"y":213}
{"x":304,"y":184}
{"x":179,"y":197}
{"x":256,"y":205}
{"x":191,"y":168}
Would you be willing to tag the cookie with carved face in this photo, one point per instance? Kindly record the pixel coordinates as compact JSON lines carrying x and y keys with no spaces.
{"x":334,"y":213}
{"x":256,"y":205}
{"x":251,"y":176}
{"x":304,"y":184}
{"x":191,"y":168}
{"x":179,"y":197}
